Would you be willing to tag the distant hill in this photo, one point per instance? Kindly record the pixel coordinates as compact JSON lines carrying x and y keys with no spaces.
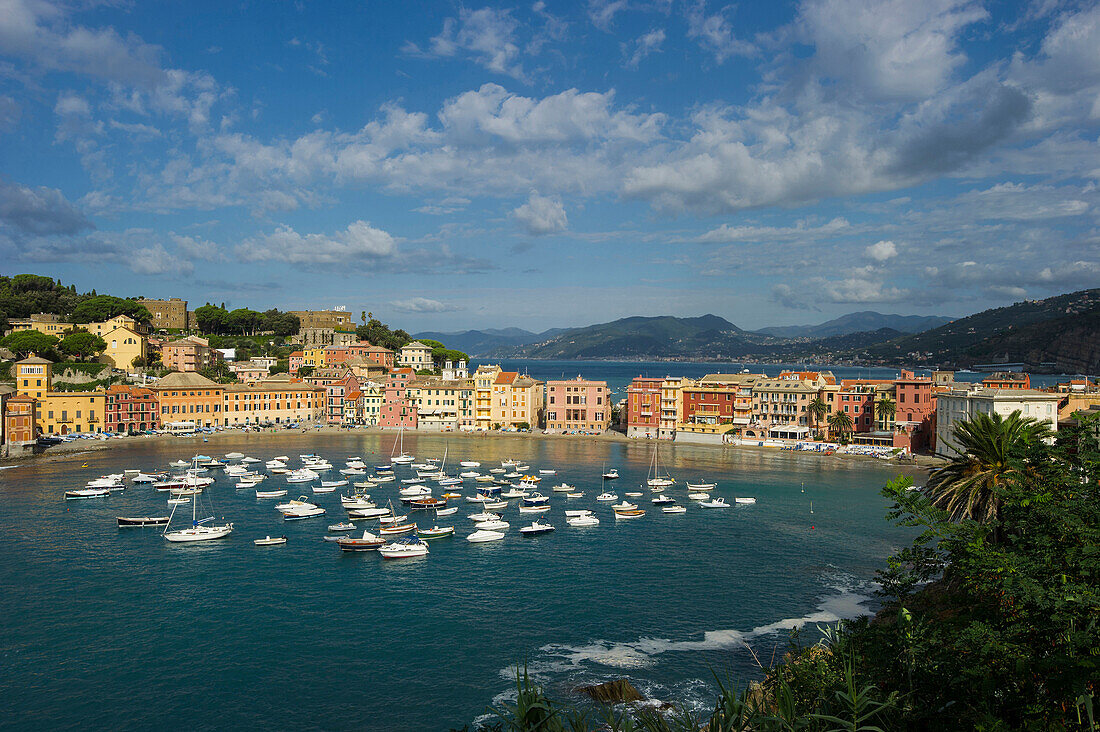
{"x":1061,"y":330}
{"x":862,"y":322}
{"x":490,"y":340}
{"x":707,"y":336}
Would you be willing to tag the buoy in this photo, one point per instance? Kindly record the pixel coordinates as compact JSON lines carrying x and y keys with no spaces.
{"x":811,"y":527}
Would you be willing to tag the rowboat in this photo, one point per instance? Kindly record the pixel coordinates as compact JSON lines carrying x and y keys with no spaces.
{"x":126,"y":521}
{"x":83,"y":493}
{"x":629,"y":513}
{"x":271,"y":494}
{"x":270,"y":541}
{"x":395,"y":529}
{"x":437,"y":532}
{"x":701,"y":486}
{"x":745,"y":500}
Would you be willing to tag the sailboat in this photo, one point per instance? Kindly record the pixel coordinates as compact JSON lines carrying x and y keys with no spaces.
{"x":404,"y":458}
{"x":655,"y":479}
{"x":199,"y":530}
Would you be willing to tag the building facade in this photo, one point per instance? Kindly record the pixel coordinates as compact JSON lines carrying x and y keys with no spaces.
{"x":416,"y":356}
{"x":188,"y":354}
{"x":66,"y":412}
{"x":959,"y":405}
{"x":398,"y":410}
{"x":716,"y":406}
{"x":643,"y":407}
{"x":130,"y":409}
{"x":190,"y":397}
{"x":443,"y":405}
{"x":170,"y":314}
{"x":368,"y":352}
{"x":331,"y":319}
{"x":577,"y":405}
{"x":124,"y":346}
{"x":275,"y":401}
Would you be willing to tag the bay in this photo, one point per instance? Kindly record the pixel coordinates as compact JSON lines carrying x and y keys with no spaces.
{"x":118,"y":628}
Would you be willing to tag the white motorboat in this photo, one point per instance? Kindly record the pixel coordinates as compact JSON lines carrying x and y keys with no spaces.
{"x":514,"y":493}
{"x":284,"y":458}
{"x":143,"y":478}
{"x":624,"y":506}
{"x":270,"y":541}
{"x":446,"y":511}
{"x":470,"y":474}
{"x":342,"y":526}
{"x":246,"y":484}
{"x":508,"y":463}
{"x":564,"y":488}
{"x":574,"y":495}
{"x":548,"y":472}
{"x":496,"y":471}
{"x":353,"y":471}
{"x":107,"y":481}
{"x":179,"y":463}
{"x":297,"y":514}
{"x":513,"y":474}
{"x":383,"y":478}
{"x":611,"y":474}
{"x":702,"y":486}
{"x":449,"y":481}
{"x":578,"y":512}
{"x":365,"y":543}
{"x":662,"y":500}
{"x":718,"y":502}
{"x":484,"y":516}
{"x":436,"y":532}
{"x":234,"y":455}
{"x":304,"y":475}
{"x":364,"y":484}
{"x":523,"y":468}
{"x":409,"y":546}
{"x":536,"y":527}
{"x":536,"y":499}
{"x":322,"y":489}
{"x":333,"y":483}
{"x":249,"y":460}
{"x":633,"y":494}
{"x":538,"y":508}
{"x":484,"y":535}
{"x":82,"y":493}
{"x":745,"y":500}
{"x":607,"y":497}
{"x":478,"y":499}
{"x":178,"y":501}
{"x":698,"y":496}
{"x":587,"y":520}
{"x":367,"y":513}
{"x":673,"y":509}
{"x":470,"y":464}
{"x":415,"y":491}
{"x":391,"y":519}
{"x":279,"y":493}
{"x":300,"y":502}
{"x":496,"y":525}
{"x":359,"y":500}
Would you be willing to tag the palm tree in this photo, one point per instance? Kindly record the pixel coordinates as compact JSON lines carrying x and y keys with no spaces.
{"x":817,"y":410}
{"x":839,"y":423}
{"x":885,"y":408}
{"x":989,"y":457}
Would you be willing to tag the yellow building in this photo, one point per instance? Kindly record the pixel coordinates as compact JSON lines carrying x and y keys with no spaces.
{"x":65,"y":412}
{"x":484,"y":378}
{"x":123,"y":346}
{"x":273,"y":401}
{"x":506,"y":399}
{"x":119,"y":321}
{"x":314,"y":357}
{"x":33,"y":377}
{"x":443,"y":404}
{"x":42,"y":322}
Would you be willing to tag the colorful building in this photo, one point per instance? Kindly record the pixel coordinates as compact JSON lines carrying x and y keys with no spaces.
{"x":279,"y":400}
{"x":190,"y":397}
{"x":958,"y":405}
{"x":295,"y":362}
{"x":643,"y":407}
{"x":336,"y":319}
{"x":20,"y":418}
{"x":716,"y":406}
{"x":189,"y":354}
{"x":47,"y":323}
{"x":443,"y":405}
{"x":33,"y":377}
{"x":124,"y":346}
{"x":780,"y":404}
{"x":577,"y":404}
{"x":1007,"y":380}
{"x":416,"y":356}
{"x":66,"y":412}
{"x":369,"y":352}
{"x":397,"y":409}
{"x":130,"y":409}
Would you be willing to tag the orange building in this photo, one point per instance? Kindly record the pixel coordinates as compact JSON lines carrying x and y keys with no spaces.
{"x":1007,"y":380}
{"x":190,"y":398}
{"x":19,"y":424}
{"x":188,"y":354}
{"x":378,"y":354}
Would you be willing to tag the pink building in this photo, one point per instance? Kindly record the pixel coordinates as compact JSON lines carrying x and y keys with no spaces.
{"x":914,"y":420}
{"x":334,"y":397}
{"x":369,"y":352}
{"x":643,"y":407}
{"x":397,"y":409}
{"x":578,"y":404}
{"x":296,"y":360}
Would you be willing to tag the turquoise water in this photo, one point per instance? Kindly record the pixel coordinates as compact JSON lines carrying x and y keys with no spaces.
{"x":118,"y":628}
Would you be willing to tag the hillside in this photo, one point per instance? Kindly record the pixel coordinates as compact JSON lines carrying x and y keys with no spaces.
{"x":1060,"y":330}
{"x":490,"y":340}
{"x":864,"y":321}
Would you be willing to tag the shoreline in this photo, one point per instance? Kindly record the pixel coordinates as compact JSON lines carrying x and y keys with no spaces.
{"x":77,"y":447}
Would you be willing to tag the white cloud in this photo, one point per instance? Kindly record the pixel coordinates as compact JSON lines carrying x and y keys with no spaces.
{"x":154,"y":260}
{"x":602,"y":12}
{"x":541,"y":215}
{"x":197,"y":248}
{"x":486,"y":36}
{"x":646,"y":45}
{"x":715,"y":33}
{"x":357,"y":244}
{"x":800,"y":231}
{"x":882,"y":251}
{"x":422,"y":305}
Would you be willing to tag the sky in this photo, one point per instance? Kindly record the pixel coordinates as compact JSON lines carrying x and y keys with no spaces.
{"x":448,"y":166}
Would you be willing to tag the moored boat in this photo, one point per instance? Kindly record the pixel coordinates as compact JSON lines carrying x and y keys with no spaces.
{"x":129,"y":521}
{"x":270,"y":541}
{"x":484,"y":535}
{"x":409,"y":546}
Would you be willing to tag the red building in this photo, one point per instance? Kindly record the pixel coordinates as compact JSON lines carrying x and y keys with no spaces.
{"x":397,"y":409}
{"x":643,"y":407}
{"x":914,"y":418}
{"x":368,"y":352}
{"x":336,"y":355}
{"x":130,"y":409}
{"x":334,"y":397}
{"x":1007,"y":380}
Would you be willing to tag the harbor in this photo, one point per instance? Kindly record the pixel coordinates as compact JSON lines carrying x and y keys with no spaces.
{"x":659,"y":598}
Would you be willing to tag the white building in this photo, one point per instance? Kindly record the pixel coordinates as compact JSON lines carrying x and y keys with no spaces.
{"x":416,"y":356}
{"x":958,"y":405}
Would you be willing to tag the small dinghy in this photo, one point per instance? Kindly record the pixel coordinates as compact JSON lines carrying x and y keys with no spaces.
{"x":392,"y":519}
{"x":234,"y":455}
{"x":446,"y":511}
{"x":744,"y":501}
{"x":495,"y":504}
{"x":574,"y":495}
{"x":578,"y":512}
{"x":271,"y":494}
{"x":698,"y":496}
{"x":701,"y":486}
{"x":633,"y":494}
{"x":673,"y":509}
{"x":82,"y":493}
{"x":537,"y":527}
{"x":470,"y":464}
{"x":586,"y":520}
{"x":533,"y":509}
{"x":548,"y":472}
{"x":437,"y":532}
{"x":178,"y":501}
{"x":495,"y":525}
{"x":715,"y":503}
{"x":629,"y":513}
{"x":343,"y":526}
{"x":127,"y":521}
{"x":624,"y":506}
{"x":270,"y":541}
{"x":395,"y":529}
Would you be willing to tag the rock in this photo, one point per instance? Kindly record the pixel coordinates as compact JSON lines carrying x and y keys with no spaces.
{"x":613,"y":692}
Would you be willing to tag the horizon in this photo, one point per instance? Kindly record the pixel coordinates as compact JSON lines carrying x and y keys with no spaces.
{"x":524,"y":165}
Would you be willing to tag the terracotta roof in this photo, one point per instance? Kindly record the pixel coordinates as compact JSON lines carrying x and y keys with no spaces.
{"x":506,"y":377}
{"x":296,"y":353}
{"x":34,"y":359}
{"x":354,"y":395}
{"x":182,"y":380}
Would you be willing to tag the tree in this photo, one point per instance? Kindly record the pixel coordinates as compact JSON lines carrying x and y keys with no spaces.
{"x":25,"y":342}
{"x":817,"y":410}
{"x":885,"y":409}
{"x":244,"y":321}
{"x":305,"y":370}
{"x":280,"y":323}
{"x":991,"y":455}
{"x":82,"y":344}
{"x":840,"y":424}
{"x":104,"y":307}
{"x":211,"y":319}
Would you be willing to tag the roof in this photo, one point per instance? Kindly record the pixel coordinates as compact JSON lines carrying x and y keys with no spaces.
{"x":256,"y":386}
{"x":132,"y":390}
{"x":280,"y":377}
{"x":5,"y":389}
{"x":184,"y":380}
{"x":371,"y":348}
{"x":720,"y":379}
{"x":506,"y":377}
{"x":296,"y":353}
{"x":416,"y":344}
{"x":353,"y":395}
{"x":34,"y":359}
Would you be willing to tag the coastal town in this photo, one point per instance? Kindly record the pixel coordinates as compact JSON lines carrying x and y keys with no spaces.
{"x":335,"y":378}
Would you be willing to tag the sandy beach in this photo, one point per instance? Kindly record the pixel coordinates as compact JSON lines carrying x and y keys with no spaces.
{"x":207,"y":443}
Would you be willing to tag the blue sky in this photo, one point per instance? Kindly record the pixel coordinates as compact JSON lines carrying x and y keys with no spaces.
{"x":451,"y":166}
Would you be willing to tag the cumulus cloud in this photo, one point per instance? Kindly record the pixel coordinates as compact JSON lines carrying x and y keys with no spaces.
{"x":39,"y":211}
{"x":541,"y":215}
{"x":358,"y":243}
{"x":486,"y":36}
{"x":422,"y":305}
{"x":197,"y":248}
{"x":882,"y":251}
{"x":715,"y":33}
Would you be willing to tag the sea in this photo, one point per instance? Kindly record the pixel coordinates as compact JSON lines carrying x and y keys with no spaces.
{"x":116,"y":628}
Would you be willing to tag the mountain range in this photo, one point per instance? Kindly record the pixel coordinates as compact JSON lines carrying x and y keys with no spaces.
{"x":1059,"y":333}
